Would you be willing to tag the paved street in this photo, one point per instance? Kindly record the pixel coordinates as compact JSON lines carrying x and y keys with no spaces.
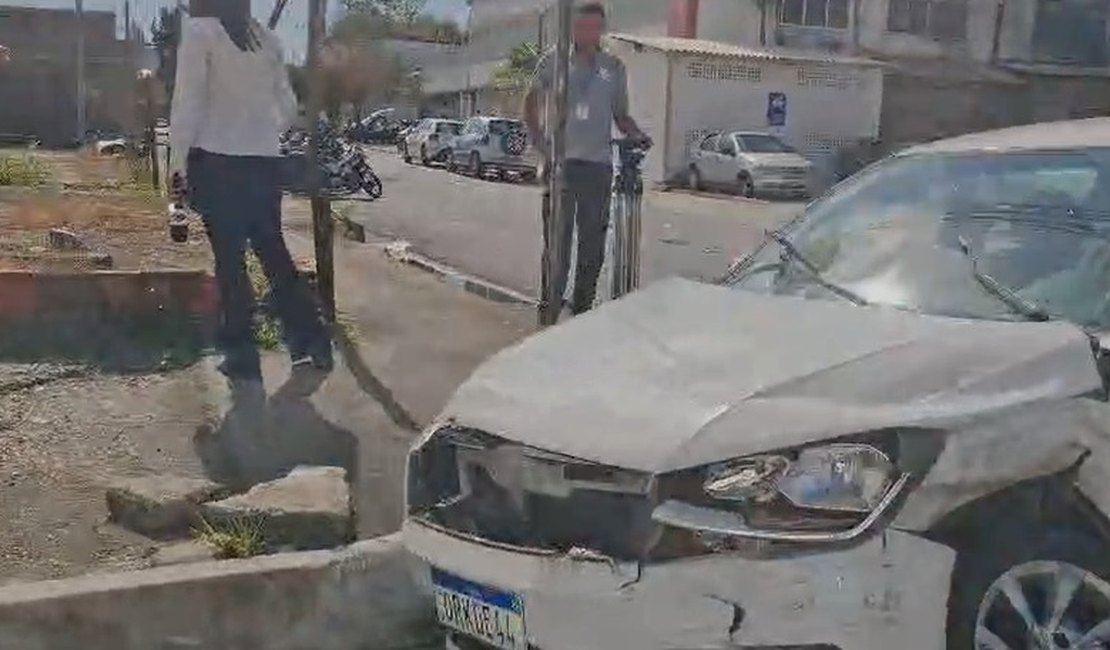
{"x":492,"y":229}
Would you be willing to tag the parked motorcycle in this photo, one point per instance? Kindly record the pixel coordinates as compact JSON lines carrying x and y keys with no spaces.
{"x":343,"y":167}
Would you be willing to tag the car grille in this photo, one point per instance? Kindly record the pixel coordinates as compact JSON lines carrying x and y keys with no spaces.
{"x":786,"y":172}
{"x":480,"y":485}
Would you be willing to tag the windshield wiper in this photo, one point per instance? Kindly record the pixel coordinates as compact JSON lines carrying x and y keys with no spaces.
{"x":1009,"y":297}
{"x":790,"y":252}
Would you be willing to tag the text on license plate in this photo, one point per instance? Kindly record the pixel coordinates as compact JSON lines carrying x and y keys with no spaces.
{"x":486,"y":613}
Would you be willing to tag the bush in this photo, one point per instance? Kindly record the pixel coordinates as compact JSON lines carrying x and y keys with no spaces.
{"x":24,"y":171}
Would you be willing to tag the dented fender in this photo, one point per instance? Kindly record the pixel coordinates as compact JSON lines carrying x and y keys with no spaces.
{"x":996,"y":451}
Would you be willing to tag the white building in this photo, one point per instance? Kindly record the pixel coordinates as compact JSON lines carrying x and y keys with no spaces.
{"x":496,"y":26}
{"x":683,"y":89}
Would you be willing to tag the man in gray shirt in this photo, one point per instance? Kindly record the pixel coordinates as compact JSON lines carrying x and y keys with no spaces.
{"x":597,"y":97}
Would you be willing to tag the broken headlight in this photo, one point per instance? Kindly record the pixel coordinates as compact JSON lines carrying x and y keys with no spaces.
{"x":837,"y":477}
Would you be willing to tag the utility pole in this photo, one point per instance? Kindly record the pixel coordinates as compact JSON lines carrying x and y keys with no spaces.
{"x":321,"y":206}
{"x":554,"y":253}
{"x":82,"y":127}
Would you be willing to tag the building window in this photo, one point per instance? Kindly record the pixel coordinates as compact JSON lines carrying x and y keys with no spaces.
{"x":1071,"y":32}
{"x":943,"y":20}
{"x":815,"y":13}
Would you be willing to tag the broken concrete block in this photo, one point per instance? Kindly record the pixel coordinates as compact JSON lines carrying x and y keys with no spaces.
{"x":160,"y":505}
{"x":306,"y":510}
{"x":183,"y":553}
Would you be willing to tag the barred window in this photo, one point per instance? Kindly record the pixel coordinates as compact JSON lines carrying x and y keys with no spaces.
{"x":723,"y":71}
{"x":825,"y":76}
{"x":943,"y":20}
{"x":815,"y":13}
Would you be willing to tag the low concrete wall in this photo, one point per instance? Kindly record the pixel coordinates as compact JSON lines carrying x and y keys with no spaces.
{"x":359,"y":598}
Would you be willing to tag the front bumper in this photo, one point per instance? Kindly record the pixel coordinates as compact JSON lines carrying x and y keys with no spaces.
{"x":781,"y":184}
{"x":510,"y":164}
{"x":889,"y":591}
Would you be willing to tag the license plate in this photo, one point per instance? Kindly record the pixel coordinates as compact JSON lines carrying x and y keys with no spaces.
{"x":486,"y":613}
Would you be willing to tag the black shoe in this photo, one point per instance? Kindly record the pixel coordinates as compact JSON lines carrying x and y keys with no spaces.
{"x":240,"y":371}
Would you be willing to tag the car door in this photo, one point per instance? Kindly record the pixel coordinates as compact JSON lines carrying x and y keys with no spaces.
{"x":727,"y":154}
{"x":465,"y":141}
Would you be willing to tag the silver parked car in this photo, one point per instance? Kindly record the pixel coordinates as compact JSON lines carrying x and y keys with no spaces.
{"x":887,"y":427}
{"x":748,"y":163}
{"x":494,"y":145}
{"x":430,"y":140}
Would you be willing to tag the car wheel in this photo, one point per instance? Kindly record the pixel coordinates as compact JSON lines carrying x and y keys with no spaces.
{"x":744,"y":186}
{"x":475,"y":165}
{"x":449,"y":162}
{"x":693,"y":179}
{"x":405,"y":154}
{"x":1048,"y":593}
{"x":424,"y":156}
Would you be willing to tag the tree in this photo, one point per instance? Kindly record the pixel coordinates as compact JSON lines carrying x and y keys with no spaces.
{"x":515,"y":74}
{"x":403,"y":11}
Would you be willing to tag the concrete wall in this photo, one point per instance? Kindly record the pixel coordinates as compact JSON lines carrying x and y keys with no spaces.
{"x":359,"y":598}
{"x":647,"y":96}
{"x":729,"y":21}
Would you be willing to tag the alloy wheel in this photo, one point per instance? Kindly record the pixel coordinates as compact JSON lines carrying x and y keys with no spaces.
{"x":475,"y":165}
{"x":693,"y":179}
{"x":1045,"y":605}
{"x":744,"y":184}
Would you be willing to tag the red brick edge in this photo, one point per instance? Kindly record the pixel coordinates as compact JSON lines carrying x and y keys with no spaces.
{"x":26,"y":295}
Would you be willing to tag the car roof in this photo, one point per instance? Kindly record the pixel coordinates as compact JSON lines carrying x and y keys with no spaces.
{"x":1068,"y":134}
{"x":491,"y":118}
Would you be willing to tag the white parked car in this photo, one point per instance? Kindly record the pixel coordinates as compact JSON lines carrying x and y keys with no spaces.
{"x":748,"y":163}
{"x":430,"y":140}
{"x":495,"y":145}
{"x":887,"y":427}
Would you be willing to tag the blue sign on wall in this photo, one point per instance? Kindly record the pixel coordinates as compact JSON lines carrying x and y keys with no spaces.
{"x":776,"y":109}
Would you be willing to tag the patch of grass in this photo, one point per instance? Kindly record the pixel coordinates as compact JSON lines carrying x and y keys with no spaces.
{"x":345,"y":327}
{"x":267,"y":331}
{"x":239,"y":538}
{"x":23,"y":171}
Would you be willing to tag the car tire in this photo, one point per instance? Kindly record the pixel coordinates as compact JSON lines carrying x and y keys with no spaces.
{"x":475,"y":165}
{"x":693,"y":179}
{"x":424,"y":156}
{"x":744,"y":186}
{"x":449,"y":162}
{"x":405,"y":155}
{"x":1013,"y":566}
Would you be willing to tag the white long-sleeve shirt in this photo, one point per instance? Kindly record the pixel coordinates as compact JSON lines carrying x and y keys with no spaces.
{"x":226,"y":100}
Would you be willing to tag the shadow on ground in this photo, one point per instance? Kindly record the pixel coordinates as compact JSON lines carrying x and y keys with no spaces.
{"x":262,"y":437}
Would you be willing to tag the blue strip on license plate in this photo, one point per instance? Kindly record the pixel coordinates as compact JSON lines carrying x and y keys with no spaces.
{"x":489,"y":595}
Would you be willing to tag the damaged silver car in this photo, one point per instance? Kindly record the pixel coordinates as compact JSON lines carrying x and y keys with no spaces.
{"x":886,"y":428}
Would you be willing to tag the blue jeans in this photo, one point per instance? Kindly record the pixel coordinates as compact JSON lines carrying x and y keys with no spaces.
{"x":239,"y":199}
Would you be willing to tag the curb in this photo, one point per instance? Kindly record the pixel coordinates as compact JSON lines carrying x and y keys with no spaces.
{"x":401,"y":251}
{"x":361,"y":596}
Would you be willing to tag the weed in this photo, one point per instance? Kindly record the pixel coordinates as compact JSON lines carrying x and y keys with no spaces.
{"x":267,"y":332}
{"x":345,"y":327}
{"x":238,"y":538}
{"x":23,"y":170}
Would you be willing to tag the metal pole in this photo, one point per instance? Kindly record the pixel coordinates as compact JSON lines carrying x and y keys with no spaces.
{"x":79,"y":10}
{"x":321,"y":206}
{"x":554,"y":255}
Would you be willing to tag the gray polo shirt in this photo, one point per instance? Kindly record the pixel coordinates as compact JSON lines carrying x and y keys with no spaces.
{"x":595,"y":96}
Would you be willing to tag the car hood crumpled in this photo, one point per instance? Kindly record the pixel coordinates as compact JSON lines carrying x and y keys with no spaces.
{"x":681,"y":374}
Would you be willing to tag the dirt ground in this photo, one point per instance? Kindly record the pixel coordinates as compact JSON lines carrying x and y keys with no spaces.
{"x":96,"y":199}
{"x":65,"y":432}
{"x":63,"y":439}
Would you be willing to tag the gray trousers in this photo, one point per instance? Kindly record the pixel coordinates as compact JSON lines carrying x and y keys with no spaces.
{"x":587,"y":189}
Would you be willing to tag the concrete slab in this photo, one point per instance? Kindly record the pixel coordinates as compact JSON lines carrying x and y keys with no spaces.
{"x":182,"y":553}
{"x":160,"y":505}
{"x":306,"y":510}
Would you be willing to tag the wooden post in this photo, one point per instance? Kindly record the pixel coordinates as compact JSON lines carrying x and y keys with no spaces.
{"x":322,"y":227}
{"x":554,"y":253}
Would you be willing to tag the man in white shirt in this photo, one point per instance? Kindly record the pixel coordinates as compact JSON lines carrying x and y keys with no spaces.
{"x":232,"y":101}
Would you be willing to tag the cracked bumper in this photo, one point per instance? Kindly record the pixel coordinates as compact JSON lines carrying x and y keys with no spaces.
{"x":890,"y":591}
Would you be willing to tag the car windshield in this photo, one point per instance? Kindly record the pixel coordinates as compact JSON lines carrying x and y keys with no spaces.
{"x":501,"y":127}
{"x":449,"y":127}
{"x":942,"y":233}
{"x":756,"y":143}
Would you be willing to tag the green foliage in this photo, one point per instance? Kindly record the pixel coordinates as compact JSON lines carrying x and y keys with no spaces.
{"x":23,"y":170}
{"x":516,"y":73}
{"x":404,"y":11}
{"x":239,"y":538}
